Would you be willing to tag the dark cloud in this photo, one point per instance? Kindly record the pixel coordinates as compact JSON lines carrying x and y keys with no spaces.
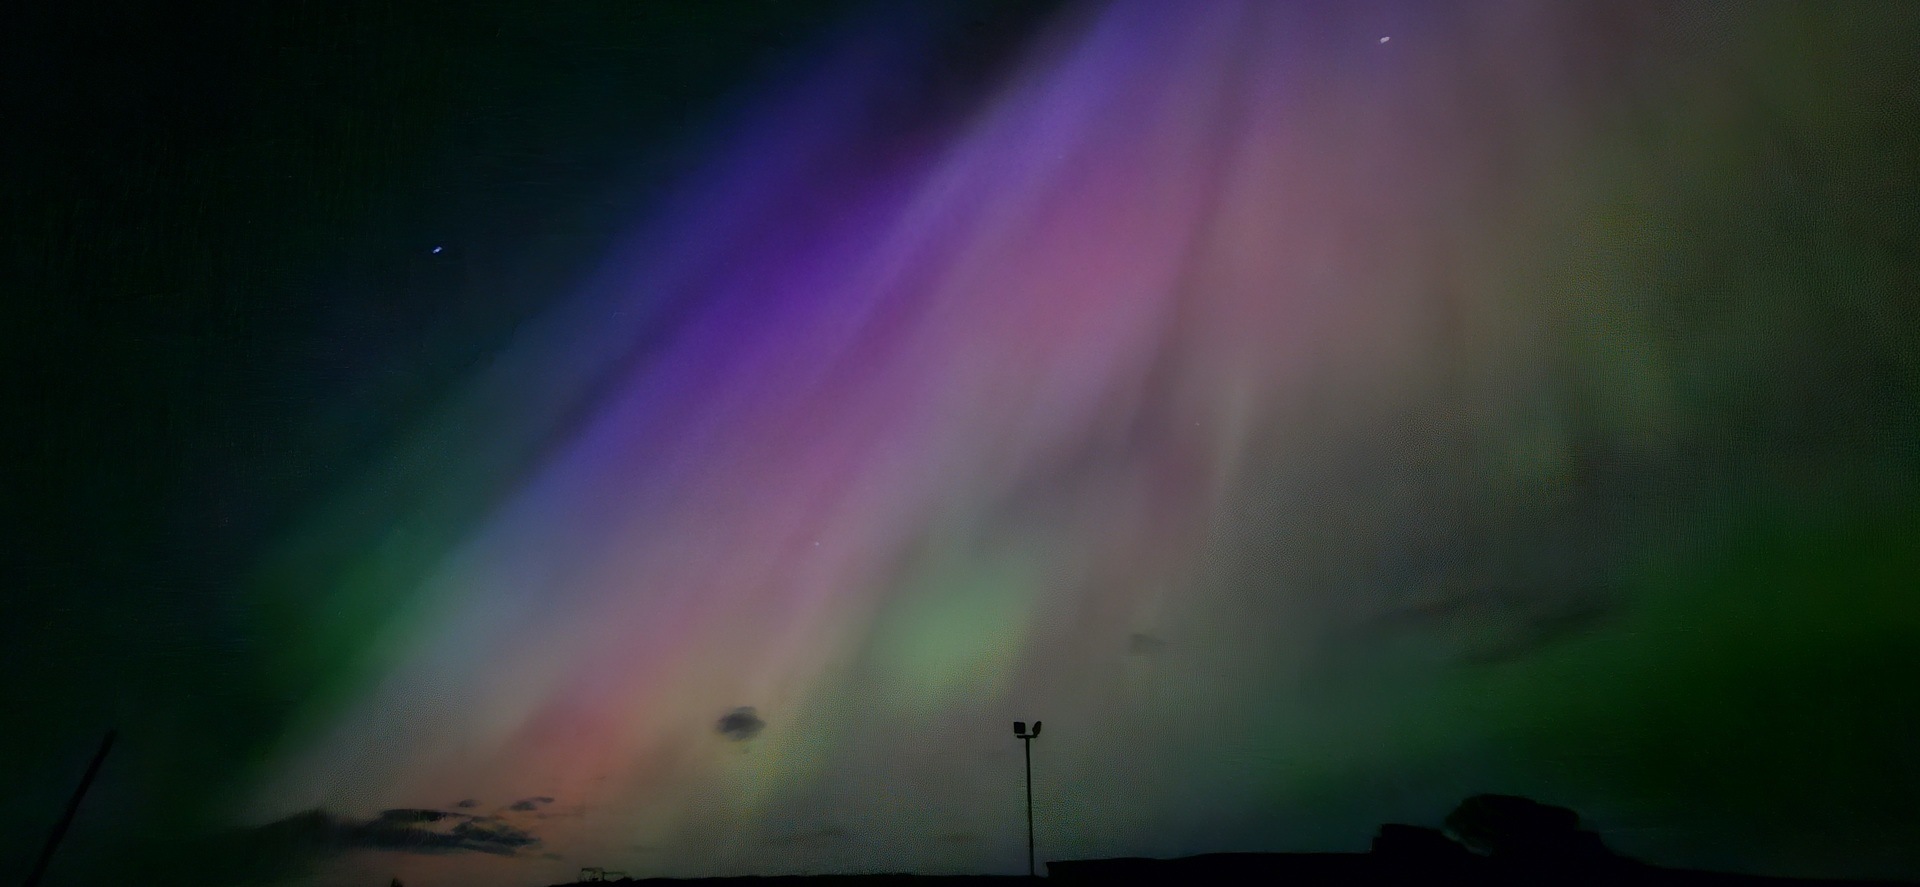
{"x":318,"y":832}
{"x":1497,"y":624}
{"x":470,"y":802}
{"x":740,"y":724}
{"x":1538,"y":629}
{"x":410,"y":815}
{"x":528,"y":804}
{"x":492,"y":836}
{"x":1460,"y":625}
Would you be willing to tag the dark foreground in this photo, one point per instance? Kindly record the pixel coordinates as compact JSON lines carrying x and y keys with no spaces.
{"x":1302,"y":869}
{"x":1495,"y":840}
{"x":1331,"y":869}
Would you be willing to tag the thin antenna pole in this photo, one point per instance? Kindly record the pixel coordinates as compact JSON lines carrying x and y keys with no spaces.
{"x":73,"y":807}
{"x":1027,"y":741}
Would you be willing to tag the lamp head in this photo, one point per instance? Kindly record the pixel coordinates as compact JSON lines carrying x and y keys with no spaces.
{"x":1036,"y":728}
{"x":1019,"y":728}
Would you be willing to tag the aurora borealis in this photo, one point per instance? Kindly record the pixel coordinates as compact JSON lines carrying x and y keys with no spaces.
{"x":1312,"y":428}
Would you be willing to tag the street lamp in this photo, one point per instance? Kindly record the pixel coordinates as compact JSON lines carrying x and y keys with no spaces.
{"x":1026,"y":740}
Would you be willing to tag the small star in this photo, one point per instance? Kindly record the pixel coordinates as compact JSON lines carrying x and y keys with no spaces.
{"x":1385,"y":39}
{"x":436,"y":250}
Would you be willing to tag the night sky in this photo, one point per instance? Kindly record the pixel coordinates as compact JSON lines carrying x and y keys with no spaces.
{"x":473,"y":442}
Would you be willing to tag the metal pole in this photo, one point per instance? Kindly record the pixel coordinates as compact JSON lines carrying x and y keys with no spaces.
{"x":73,"y":807}
{"x":1028,"y":742}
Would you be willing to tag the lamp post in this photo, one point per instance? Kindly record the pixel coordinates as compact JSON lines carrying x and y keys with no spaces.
{"x":1026,"y":740}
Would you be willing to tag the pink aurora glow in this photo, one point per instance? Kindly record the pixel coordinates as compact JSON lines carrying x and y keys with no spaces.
{"x":937,"y":425}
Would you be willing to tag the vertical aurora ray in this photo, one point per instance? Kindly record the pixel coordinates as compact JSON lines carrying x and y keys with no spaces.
{"x":1219,"y":336}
